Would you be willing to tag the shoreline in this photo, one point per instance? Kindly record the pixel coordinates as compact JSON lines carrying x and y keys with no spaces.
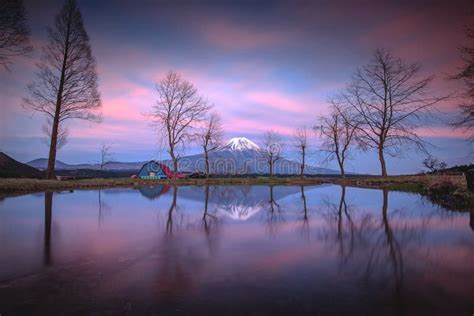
{"x":447,"y":190}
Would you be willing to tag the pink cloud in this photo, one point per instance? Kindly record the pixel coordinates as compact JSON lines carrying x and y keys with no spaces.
{"x":442,"y":132}
{"x":277,"y":100}
{"x":230,"y":35}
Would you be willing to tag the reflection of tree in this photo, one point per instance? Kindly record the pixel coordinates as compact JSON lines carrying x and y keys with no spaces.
{"x":395,"y":252}
{"x":344,"y":253}
{"x":102,"y":207}
{"x":373,"y":246}
{"x":48,"y":217}
{"x":169,"y":222}
{"x":209,"y":222}
{"x":273,"y":218}
{"x":345,"y":230}
{"x":305,"y":222}
{"x":181,"y":260}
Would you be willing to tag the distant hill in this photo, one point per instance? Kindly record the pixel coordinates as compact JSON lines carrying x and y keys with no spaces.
{"x":42,"y":164}
{"x":10,"y":168}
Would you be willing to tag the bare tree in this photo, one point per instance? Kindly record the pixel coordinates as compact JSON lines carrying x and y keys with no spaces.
{"x":466,"y":117}
{"x":390,"y":101}
{"x":66,"y":85}
{"x":106,"y":155}
{"x":433,"y":164}
{"x":14,"y":33}
{"x":177,"y":112}
{"x":337,"y":132}
{"x":210,"y":138}
{"x":273,"y":144}
{"x":62,"y":134}
{"x":300,"y":140}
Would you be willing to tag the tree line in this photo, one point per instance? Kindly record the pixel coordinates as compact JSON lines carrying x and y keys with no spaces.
{"x":379,"y":110}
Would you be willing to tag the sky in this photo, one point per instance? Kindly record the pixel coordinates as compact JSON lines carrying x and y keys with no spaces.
{"x":264,"y":65}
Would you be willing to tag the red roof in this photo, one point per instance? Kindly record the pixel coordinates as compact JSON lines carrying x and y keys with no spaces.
{"x":169,"y":173}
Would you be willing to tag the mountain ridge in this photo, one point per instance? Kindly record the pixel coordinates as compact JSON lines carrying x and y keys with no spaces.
{"x":238,"y":155}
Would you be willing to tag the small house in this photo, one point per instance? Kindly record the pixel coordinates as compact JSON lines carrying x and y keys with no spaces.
{"x":156,"y":170}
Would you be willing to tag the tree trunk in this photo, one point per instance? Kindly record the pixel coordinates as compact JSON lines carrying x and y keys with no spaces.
{"x":271,"y":168}
{"x":175,"y":162}
{"x":341,"y":167}
{"x":302,"y":162}
{"x":54,"y":131}
{"x":206,"y":157}
{"x":382,"y":162}
{"x":50,"y":174}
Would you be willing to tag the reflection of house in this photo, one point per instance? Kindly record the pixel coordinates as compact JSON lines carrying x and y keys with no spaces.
{"x":154,"y":192}
{"x":156,"y":170}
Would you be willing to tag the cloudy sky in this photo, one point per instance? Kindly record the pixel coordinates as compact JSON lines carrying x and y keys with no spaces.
{"x":264,"y":65}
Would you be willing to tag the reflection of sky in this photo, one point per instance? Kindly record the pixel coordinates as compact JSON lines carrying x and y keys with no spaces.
{"x":264,"y":65}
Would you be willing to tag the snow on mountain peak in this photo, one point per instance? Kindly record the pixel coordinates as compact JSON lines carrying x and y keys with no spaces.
{"x":240,"y":143}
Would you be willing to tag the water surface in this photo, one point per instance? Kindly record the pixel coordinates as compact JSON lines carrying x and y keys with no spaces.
{"x":221,"y":250}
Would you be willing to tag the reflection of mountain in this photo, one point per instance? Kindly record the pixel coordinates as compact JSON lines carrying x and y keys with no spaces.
{"x":154,"y":192}
{"x":239,"y":202}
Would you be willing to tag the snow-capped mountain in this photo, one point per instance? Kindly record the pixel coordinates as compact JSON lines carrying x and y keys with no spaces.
{"x":240,"y":144}
{"x":243,"y":156}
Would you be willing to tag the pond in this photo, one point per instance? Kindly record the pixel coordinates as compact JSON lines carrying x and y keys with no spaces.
{"x":315,"y":250}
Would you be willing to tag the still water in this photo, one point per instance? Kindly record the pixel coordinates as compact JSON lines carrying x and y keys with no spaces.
{"x":316,"y":250}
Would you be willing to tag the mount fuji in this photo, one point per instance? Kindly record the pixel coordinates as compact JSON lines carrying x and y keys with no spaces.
{"x":242,"y":156}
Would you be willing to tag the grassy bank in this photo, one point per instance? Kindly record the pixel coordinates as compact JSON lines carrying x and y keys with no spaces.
{"x":447,"y":190}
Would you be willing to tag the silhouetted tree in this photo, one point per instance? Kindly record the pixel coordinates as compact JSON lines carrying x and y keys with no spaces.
{"x":210,"y":137}
{"x":466,"y":119}
{"x":66,"y":85}
{"x":337,"y":131}
{"x":272,"y":142}
{"x":390,"y":101}
{"x":14,"y":33}
{"x":177,"y":112}
{"x":300,"y":139}
{"x":433,"y":164}
{"x":106,"y":155}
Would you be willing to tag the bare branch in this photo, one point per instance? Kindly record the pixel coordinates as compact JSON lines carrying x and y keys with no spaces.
{"x":14,"y":33}
{"x":389,"y":101}
{"x":465,"y":120}
{"x":178,"y":112}
{"x":106,"y":155}
{"x":272,"y":142}
{"x":66,"y":85}
{"x":210,"y":137}
{"x":300,"y":141}
{"x":338,"y":131}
